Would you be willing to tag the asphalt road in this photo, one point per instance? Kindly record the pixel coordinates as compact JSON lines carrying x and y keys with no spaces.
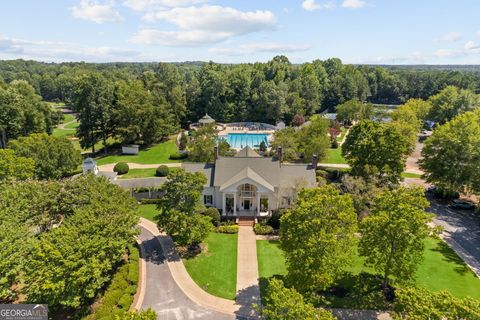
{"x":462,"y":226}
{"x":162,"y":293}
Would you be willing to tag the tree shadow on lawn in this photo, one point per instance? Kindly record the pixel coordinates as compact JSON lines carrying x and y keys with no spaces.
{"x":451,"y":257}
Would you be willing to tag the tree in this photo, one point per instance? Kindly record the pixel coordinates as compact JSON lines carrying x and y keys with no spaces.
{"x":136,"y":118}
{"x":406,"y":120}
{"x":224,"y":149}
{"x":22,"y":112}
{"x":287,"y":140}
{"x":376,"y":150}
{"x":313,"y":139}
{"x":62,"y":239}
{"x":420,"y":107}
{"x":420,"y":303}
{"x":317,"y":236}
{"x":361,"y":191}
{"x":15,"y":168}
{"x":55,"y":157}
{"x":93,"y":99}
{"x":393,"y":234}
{"x":202,"y":143}
{"x":354,"y":110}
{"x":450,"y":102}
{"x":286,"y":304}
{"x":451,"y":156}
{"x":181,"y":206}
{"x":298,"y":120}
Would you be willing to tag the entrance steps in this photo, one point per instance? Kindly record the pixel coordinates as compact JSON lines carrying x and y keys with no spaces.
{"x":246,"y":221}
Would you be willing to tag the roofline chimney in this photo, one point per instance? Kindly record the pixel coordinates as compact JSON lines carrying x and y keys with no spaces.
{"x":215,"y":153}
{"x":314,"y":161}
{"x":280,"y":155}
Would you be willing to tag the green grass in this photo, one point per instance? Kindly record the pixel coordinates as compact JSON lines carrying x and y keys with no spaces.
{"x":411,"y":175}
{"x":138,"y":173}
{"x":67,"y":117}
{"x":72,"y":125}
{"x":148,"y":211}
{"x":63,"y":133}
{"x":159,"y":153}
{"x":334,"y":156}
{"x":271,"y":260}
{"x":216,"y":269}
{"x":441,"y":268}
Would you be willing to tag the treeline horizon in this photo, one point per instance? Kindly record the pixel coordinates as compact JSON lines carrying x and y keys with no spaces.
{"x":163,"y":97}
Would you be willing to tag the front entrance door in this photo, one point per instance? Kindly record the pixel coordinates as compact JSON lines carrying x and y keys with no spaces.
{"x":246,"y":204}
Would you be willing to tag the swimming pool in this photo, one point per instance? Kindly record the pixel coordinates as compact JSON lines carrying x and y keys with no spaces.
{"x":241,"y":140}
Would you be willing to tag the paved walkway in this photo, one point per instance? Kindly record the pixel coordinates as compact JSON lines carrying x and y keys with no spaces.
{"x":248,"y":291}
{"x":133,"y":165}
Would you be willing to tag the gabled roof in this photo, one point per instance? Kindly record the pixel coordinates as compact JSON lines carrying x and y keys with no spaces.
{"x":247,"y":173}
{"x":247,"y":152}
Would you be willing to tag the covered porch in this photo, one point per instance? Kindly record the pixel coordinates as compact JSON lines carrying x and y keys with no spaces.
{"x":247,"y":195}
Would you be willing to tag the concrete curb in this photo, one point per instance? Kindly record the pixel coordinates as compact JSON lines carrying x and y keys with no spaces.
{"x":183,"y":279}
{"x":142,"y":281}
{"x":469,"y":260}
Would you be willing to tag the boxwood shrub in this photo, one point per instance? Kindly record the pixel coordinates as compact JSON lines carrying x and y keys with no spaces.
{"x":232,"y":228}
{"x":121,"y":168}
{"x":162,"y":171}
{"x":178,"y":156}
{"x":262,"y":229}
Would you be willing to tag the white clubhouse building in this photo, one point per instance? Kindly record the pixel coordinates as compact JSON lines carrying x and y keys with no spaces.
{"x":251,"y":185}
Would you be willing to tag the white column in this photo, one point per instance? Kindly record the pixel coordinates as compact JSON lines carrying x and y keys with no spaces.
{"x":235,"y":204}
{"x":258,"y":203}
{"x":224,"y":212}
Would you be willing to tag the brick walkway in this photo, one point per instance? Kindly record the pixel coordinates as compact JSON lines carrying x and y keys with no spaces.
{"x":248,"y":291}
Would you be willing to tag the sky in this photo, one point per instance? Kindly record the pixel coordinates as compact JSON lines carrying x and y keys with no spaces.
{"x":356,"y":31}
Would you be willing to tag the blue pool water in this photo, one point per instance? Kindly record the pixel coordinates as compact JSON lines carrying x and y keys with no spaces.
{"x":241,"y":140}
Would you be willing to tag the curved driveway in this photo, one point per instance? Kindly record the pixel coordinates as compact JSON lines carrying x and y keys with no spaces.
{"x":162,"y":294}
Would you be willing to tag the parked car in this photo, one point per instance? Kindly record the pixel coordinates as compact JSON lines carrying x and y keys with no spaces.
{"x":462,"y":205}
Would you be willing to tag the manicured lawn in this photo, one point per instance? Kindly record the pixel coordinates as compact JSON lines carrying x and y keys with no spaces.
{"x":67,"y":117}
{"x":411,"y":175}
{"x":148,"y":211}
{"x":441,"y":268}
{"x":138,"y":173}
{"x":334,"y":156}
{"x":270,"y":259}
{"x":215,"y":270}
{"x":72,"y":125}
{"x":62,"y":133}
{"x":159,"y":153}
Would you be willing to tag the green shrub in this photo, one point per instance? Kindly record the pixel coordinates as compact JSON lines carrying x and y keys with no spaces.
{"x":213,"y":213}
{"x":419,"y":303}
{"x":178,"y":156}
{"x":162,"y":171}
{"x":119,"y":295}
{"x":262,"y":229}
{"x":334,"y":144}
{"x":233,"y":228}
{"x":121,"y":168}
{"x":274,"y":220}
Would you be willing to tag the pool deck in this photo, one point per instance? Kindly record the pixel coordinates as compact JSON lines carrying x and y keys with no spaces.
{"x":228,"y":130}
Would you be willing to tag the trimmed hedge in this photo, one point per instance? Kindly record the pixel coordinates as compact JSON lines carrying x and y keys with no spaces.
{"x":178,"y":156}
{"x":162,"y":171}
{"x":119,"y":295}
{"x":121,"y":168}
{"x":233,"y":228}
{"x":213,"y":213}
{"x":262,"y":229}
